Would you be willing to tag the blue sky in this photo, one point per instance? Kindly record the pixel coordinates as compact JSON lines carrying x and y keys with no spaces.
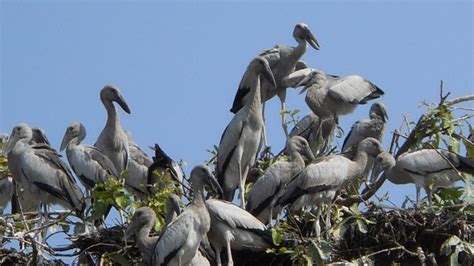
{"x":178,"y":65}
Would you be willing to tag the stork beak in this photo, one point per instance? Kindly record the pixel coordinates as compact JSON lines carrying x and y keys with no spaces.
{"x":309,"y":37}
{"x":121,"y":101}
{"x":305,"y":80}
{"x":308,"y":153}
{"x":377,"y":169}
{"x":214,"y":184}
{"x":267,"y":73}
{"x":384,"y":113}
{"x":131,"y":230}
{"x":11,"y":143}
{"x":65,"y":141}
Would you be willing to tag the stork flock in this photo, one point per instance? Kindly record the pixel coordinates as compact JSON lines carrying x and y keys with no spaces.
{"x":305,"y":180}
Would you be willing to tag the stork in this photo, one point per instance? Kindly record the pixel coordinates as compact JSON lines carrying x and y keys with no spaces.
{"x":240,"y":141}
{"x":426,"y":168}
{"x":283,"y":60}
{"x":331,"y":96}
{"x":265,"y":191}
{"x":319,"y":181}
{"x":112,"y":140}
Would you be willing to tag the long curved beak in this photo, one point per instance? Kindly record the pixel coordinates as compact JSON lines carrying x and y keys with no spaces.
{"x":308,"y":153}
{"x":121,"y":101}
{"x":267,"y":73}
{"x":65,"y":141}
{"x":215,"y":185}
{"x":131,"y":230}
{"x":384,"y":113}
{"x":309,"y":37}
{"x":10,"y":144}
{"x":377,"y":169}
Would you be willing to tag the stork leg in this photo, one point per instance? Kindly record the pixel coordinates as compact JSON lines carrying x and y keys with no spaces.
{"x":264,"y":130}
{"x":230,"y":261}
{"x":317,"y":226}
{"x":430,"y":199}
{"x":270,"y":216}
{"x":328,"y":219}
{"x":283,"y":120}
{"x":243,"y":178}
{"x":417,"y":196}
{"x":218,"y":256}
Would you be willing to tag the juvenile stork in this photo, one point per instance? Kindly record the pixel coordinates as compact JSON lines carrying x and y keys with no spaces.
{"x":89,"y":163}
{"x":235,"y":228}
{"x":319,"y":181}
{"x":331,"y":96}
{"x":373,"y":127}
{"x":136,"y":178}
{"x":112,"y":140}
{"x":426,"y":168}
{"x":40,"y":166}
{"x":180,"y":240}
{"x":283,"y":60}
{"x":240,"y":141}
{"x":265,"y":192}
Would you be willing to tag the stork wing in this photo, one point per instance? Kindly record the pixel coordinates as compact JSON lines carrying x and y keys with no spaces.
{"x":429,"y":161}
{"x":354,"y":89}
{"x":173,"y":239}
{"x":295,"y":78}
{"x":39,"y":136}
{"x":272,"y":56}
{"x":228,"y":143}
{"x":304,"y":127}
{"x":265,"y":189}
{"x":45,"y":169}
{"x":104,"y":161}
{"x":233,"y":215}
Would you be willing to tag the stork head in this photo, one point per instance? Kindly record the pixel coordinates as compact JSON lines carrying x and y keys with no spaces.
{"x":377,"y":110}
{"x":383,"y":162}
{"x":144,"y":217}
{"x":74,"y":130}
{"x":259,"y":65}
{"x":173,"y":208}
{"x":370,"y":146}
{"x":201,"y":176}
{"x":299,"y":144}
{"x":20,"y":132}
{"x":302,"y":32}
{"x":112,"y":94}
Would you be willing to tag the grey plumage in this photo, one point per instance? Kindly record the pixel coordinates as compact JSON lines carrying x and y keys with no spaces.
{"x":426,"y":168}
{"x":320,"y":180}
{"x":112,"y":140}
{"x":6,"y":192}
{"x":234,"y":228}
{"x":283,"y":60}
{"x":240,"y":141}
{"x":265,"y":191}
{"x":89,"y":163}
{"x":331,"y":96}
{"x":137,"y":176}
{"x":179,"y":242}
{"x":40,"y":166}
{"x":373,"y":127}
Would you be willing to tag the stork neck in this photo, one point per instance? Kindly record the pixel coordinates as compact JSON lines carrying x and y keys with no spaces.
{"x":361,"y":158}
{"x":255,"y":95}
{"x":198,"y":198}
{"x":297,"y":159}
{"x":144,"y":242}
{"x":300,"y":49}
{"x":112,"y":115}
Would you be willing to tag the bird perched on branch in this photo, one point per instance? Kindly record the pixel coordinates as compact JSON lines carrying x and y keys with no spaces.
{"x":283,"y":60}
{"x":426,"y":168}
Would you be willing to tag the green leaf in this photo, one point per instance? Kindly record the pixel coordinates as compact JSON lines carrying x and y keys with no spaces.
{"x":277,"y":236}
{"x":446,"y":247}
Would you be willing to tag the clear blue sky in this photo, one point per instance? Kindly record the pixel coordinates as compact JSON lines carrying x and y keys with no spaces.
{"x":178,"y":65}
